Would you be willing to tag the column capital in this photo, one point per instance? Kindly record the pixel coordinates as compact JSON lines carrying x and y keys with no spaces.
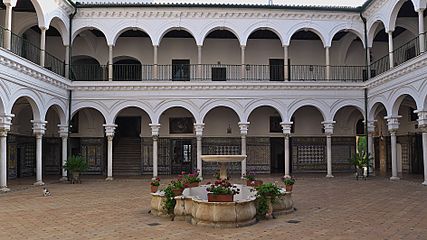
{"x":422,"y":119}
{"x":286,"y":126}
{"x":392,"y":123}
{"x":63,"y":131}
{"x":6,"y":121}
{"x":155,"y":129}
{"x":39,"y":127}
{"x":244,"y":128}
{"x":371,"y":126}
{"x":198,"y":128}
{"x":329,"y":127}
{"x":10,"y":3}
{"x":109,"y":129}
{"x":243,"y":46}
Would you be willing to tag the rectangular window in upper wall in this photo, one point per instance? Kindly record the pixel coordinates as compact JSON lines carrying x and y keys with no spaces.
{"x":180,"y":70}
{"x":277,"y":70}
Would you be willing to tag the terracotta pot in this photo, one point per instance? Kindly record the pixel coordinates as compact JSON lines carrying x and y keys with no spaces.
{"x":220,"y":197}
{"x":289,"y":188}
{"x":177,"y":192}
{"x":255,"y":183}
{"x":75,"y":177}
{"x":154,"y":188}
{"x":194,"y":184}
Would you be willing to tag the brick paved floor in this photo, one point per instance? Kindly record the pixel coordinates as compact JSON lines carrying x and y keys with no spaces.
{"x":339,"y":208}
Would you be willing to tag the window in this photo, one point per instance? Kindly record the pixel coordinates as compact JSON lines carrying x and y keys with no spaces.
{"x":276,"y":70}
{"x":180,"y":70}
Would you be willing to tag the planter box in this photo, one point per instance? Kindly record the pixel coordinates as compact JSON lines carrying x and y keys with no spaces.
{"x":255,"y":183}
{"x":289,"y":188}
{"x":194,"y":184}
{"x":154,"y":188}
{"x":220,"y":197}
{"x":177,"y":192}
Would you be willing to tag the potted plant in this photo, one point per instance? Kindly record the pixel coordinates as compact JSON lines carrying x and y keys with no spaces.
{"x":155,"y":183}
{"x":289,"y":183}
{"x":251,"y":180}
{"x":266,"y":195}
{"x":191,"y":179}
{"x":177,"y":187}
{"x":221,"y":191}
{"x":75,"y":165}
{"x":360,"y":161}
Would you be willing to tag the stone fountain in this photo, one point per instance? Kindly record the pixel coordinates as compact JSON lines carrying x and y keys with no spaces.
{"x":223,"y":160}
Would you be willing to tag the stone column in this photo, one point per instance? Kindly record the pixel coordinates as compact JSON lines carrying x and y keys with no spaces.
{"x":393,"y":126}
{"x":328,"y":64}
{"x":199,"y":62}
{"x":42,"y":46}
{"x":422,"y":124}
{"x":285,"y":62}
{"x":5,"y":122}
{"x":67,"y":62}
{"x":329,"y":130}
{"x":371,"y":147}
{"x":286,"y":126}
{"x":39,"y":129}
{"x":421,"y":30}
{"x":243,"y":133}
{"x":198,"y":128}
{"x":390,"y":48}
{"x":155,"y":60}
{"x":8,"y":25}
{"x":63,"y":133}
{"x":109,"y":133}
{"x":243,"y":69}
{"x":155,"y":129}
{"x":110,"y":63}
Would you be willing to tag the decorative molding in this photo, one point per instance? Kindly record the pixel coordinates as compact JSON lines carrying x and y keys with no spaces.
{"x":63,"y":131}
{"x":198,"y":129}
{"x":287,"y":126}
{"x":109,"y":129}
{"x":329,"y":127}
{"x":244,"y":126}
{"x":422,"y":119}
{"x":374,"y":7}
{"x":6,"y":122}
{"x":65,"y":6}
{"x":39,"y":127}
{"x":393,"y":123}
{"x":155,"y":129}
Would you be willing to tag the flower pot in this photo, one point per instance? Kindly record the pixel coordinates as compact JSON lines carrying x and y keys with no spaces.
{"x":220,"y":197}
{"x":154,"y":188}
{"x":194,"y":184}
{"x":254,"y":183}
{"x":289,"y":188}
{"x":177,"y":192}
{"x":75,"y":177}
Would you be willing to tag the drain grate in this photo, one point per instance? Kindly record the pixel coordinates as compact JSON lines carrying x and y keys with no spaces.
{"x":153,"y":224}
{"x":294,"y":221}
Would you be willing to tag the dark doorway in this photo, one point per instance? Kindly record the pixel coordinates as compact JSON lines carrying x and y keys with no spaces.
{"x":277,"y":70}
{"x":181,"y":154}
{"x":180,"y":70}
{"x":128,"y":127}
{"x":277,"y":155}
{"x":417,"y":166}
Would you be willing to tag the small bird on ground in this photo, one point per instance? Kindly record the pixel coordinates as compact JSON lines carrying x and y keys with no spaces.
{"x":46,"y":192}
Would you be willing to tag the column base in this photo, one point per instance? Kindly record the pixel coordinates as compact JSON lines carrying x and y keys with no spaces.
{"x":329,"y":176}
{"x":4,"y":189}
{"x":154,"y":177}
{"x":109,"y":179}
{"x":424,"y":183}
{"x":63,"y":179}
{"x":287,"y":176}
{"x":39,"y":183}
{"x":394,"y":178}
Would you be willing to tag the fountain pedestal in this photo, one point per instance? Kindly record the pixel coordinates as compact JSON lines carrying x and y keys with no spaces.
{"x":223,"y":160}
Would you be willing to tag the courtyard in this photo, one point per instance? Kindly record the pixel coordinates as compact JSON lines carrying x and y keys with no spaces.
{"x":337,"y":208}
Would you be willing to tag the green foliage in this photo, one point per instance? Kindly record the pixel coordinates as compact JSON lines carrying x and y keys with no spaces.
{"x":249,"y":176}
{"x":155,"y":182}
{"x":175,"y":185}
{"x":288,"y":181}
{"x":266,"y":192}
{"x":223,"y":187}
{"x":76,"y":163}
{"x":362,"y":144}
{"x":169,"y":203}
{"x":360,"y":159}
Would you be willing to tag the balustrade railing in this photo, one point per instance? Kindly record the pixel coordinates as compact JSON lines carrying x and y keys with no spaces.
{"x":132,"y":72}
{"x":307,"y":73}
{"x":2,"y":32}
{"x":379,"y":66}
{"x":89,"y":72}
{"x":54,"y":64}
{"x":347,"y":73}
{"x":407,"y":51}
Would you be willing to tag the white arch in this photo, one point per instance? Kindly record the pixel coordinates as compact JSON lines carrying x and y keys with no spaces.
{"x":93,"y":105}
{"x":309,"y":26}
{"x":236,"y":107}
{"x":219,"y":25}
{"x":392,"y":16}
{"x":347,"y":28}
{"x":41,"y":15}
{"x":161,"y":33}
{"x":319,"y":104}
{"x":373,"y":27}
{"x":32,"y":97}
{"x":117,"y":108}
{"x":121,"y":29}
{"x":358,"y":104}
{"x":373,"y":105}
{"x":251,"y":107}
{"x":397,"y":97}
{"x":264,"y":25}
{"x":60,"y":107}
{"x":91,"y":25}
{"x":62,"y":28}
{"x":163,"y":107}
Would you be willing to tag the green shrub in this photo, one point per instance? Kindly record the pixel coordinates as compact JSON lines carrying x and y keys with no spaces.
{"x":76,"y":164}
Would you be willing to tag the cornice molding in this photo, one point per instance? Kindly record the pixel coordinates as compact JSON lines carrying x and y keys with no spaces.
{"x":65,"y":6}
{"x":213,"y":14}
{"x":373,"y":7}
{"x":10,"y":61}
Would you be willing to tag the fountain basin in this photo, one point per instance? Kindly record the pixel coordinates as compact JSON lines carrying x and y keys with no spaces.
{"x":223,"y":160}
